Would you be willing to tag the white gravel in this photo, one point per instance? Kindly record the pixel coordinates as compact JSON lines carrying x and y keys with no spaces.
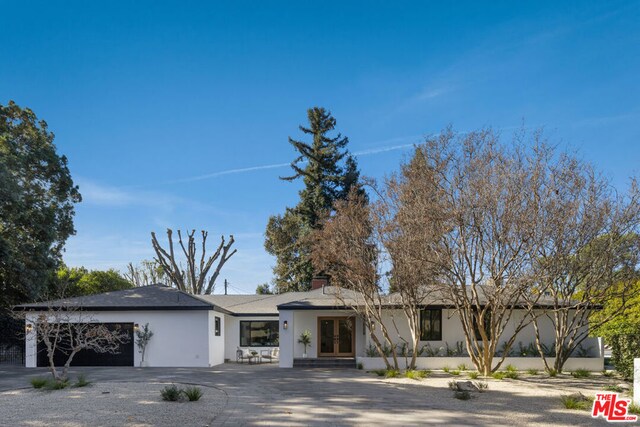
{"x":108,"y":404}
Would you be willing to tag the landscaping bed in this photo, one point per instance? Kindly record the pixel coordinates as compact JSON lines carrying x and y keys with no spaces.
{"x":107,"y":403}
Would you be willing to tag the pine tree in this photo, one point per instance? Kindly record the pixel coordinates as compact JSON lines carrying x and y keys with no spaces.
{"x":328,"y":172}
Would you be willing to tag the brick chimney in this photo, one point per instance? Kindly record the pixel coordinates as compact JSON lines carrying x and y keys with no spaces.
{"x":319,"y":281}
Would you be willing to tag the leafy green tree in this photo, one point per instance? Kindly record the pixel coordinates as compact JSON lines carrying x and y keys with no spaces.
{"x":79,"y":281}
{"x":328,"y":173}
{"x":37,"y":197}
{"x":264,"y":289}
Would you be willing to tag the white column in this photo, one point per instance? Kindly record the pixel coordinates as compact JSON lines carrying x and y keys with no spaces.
{"x":286,"y":338}
{"x":636,"y":381}
{"x":31,"y":345}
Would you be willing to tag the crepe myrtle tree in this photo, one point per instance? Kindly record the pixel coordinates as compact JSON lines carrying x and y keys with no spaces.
{"x":347,"y":250}
{"x":588,"y":253}
{"x":476,"y":195}
{"x":68,"y":330}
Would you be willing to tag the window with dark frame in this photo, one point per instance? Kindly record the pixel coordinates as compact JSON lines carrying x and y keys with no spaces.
{"x":431,"y":324}
{"x":217,"y":326}
{"x":259,"y":333}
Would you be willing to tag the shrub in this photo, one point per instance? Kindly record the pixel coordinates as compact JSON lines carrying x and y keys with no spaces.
{"x":612,"y":387}
{"x":498,"y":375}
{"x":473,"y":375}
{"x":576,"y":401}
{"x":446,"y":369}
{"x":481,"y":386}
{"x":39,"y":382}
{"x":510,"y":368}
{"x":193,"y":393}
{"x":454,"y":372}
{"x":633,"y":408}
{"x":170,"y":393}
{"x":608,"y":373}
{"x":371,"y":351}
{"x":511,"y":375}
{"x":624,"y":348}
{"x":552,"y":372}
{"x":416,"y":374}
{"x":532,"y":371}
{"x":391,"y":373}
{"x":580,"y":373}
{"x":379,"y":372}
{"x":81,"y":381}
{"x":57,"y":385}
{"x":462,"y":367}
{"x":360,"y":366}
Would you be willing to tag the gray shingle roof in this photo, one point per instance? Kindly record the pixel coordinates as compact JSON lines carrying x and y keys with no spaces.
{"x":153,"y":297}
{"x":256,"y":304}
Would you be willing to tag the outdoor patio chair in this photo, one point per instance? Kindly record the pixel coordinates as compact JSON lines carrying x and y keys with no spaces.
{"x":270,"y":355}
{"x":243,"y":354}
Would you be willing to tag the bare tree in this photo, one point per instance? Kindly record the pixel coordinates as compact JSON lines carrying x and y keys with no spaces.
{"x":408,"y":241}
{"x":487,"y":215}
{"x":588,"y":253}
{"x":68,"y":330}
{"x":195,"y":278}
{"x":345,"y":249}
{"x":146,"y":273}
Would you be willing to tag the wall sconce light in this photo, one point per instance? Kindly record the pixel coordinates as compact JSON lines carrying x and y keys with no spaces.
{"x":136,"y":327}
{"x":28,"y":328}
{"x":285,"y":325}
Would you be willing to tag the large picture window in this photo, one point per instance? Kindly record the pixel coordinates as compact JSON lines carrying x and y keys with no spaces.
{"x":431,"y":325}
{"x":259,"y":333}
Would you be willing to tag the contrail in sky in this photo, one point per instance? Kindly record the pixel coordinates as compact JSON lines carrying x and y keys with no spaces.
{"x":281,"y":165}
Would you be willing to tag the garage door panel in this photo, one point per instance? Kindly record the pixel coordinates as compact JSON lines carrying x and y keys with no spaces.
{"x":91,"y":358}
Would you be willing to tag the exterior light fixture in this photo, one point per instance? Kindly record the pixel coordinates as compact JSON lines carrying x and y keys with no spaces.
{"x":28,"y":328}
{"x":285,"y":325}
{"x":136,"y":327}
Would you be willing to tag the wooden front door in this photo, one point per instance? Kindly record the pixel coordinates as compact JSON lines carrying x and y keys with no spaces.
{"x":336,"y":337}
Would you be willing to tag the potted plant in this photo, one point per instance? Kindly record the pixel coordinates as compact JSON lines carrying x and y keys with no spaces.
{"x":143,"y":337}
{"x":305,"y":340}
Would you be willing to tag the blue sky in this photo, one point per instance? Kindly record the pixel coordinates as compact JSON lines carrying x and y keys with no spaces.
{"x":151,"y":101}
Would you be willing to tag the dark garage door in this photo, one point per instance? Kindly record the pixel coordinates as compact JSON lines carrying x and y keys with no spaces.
{"x":90,"y":357}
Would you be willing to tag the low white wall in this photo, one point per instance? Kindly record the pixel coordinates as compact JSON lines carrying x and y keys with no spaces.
{"x":180,"y":337}
{"x":594,"y":364}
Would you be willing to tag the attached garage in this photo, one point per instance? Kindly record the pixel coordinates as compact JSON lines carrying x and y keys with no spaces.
{"x":187,"y":330}
{"x":123,"y":357}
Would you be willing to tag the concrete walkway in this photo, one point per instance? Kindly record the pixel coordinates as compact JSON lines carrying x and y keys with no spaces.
{"x":267,"y":395}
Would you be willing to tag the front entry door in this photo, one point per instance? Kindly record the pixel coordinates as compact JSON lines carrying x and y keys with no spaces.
{"x":336,"y":337}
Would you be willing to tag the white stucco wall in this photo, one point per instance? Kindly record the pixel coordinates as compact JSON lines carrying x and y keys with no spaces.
{"x":286,"y":339}
{"x":302,"y":320}
{"x":216,"y":343}
{"x":452,"y":332}
{"x":181,"y":337}
{"x":232,"y":333}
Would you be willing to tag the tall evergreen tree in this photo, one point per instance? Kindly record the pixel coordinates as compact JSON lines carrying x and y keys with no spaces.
{"x":328,"y":172}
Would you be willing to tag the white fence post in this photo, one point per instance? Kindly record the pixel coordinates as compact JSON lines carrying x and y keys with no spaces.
{"x":636,"y":381}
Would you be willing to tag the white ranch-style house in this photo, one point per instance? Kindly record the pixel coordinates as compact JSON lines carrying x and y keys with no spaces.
{"x":208,"y":330}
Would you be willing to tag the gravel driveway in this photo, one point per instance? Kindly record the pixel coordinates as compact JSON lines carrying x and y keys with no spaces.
{"x":267,"y":395}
